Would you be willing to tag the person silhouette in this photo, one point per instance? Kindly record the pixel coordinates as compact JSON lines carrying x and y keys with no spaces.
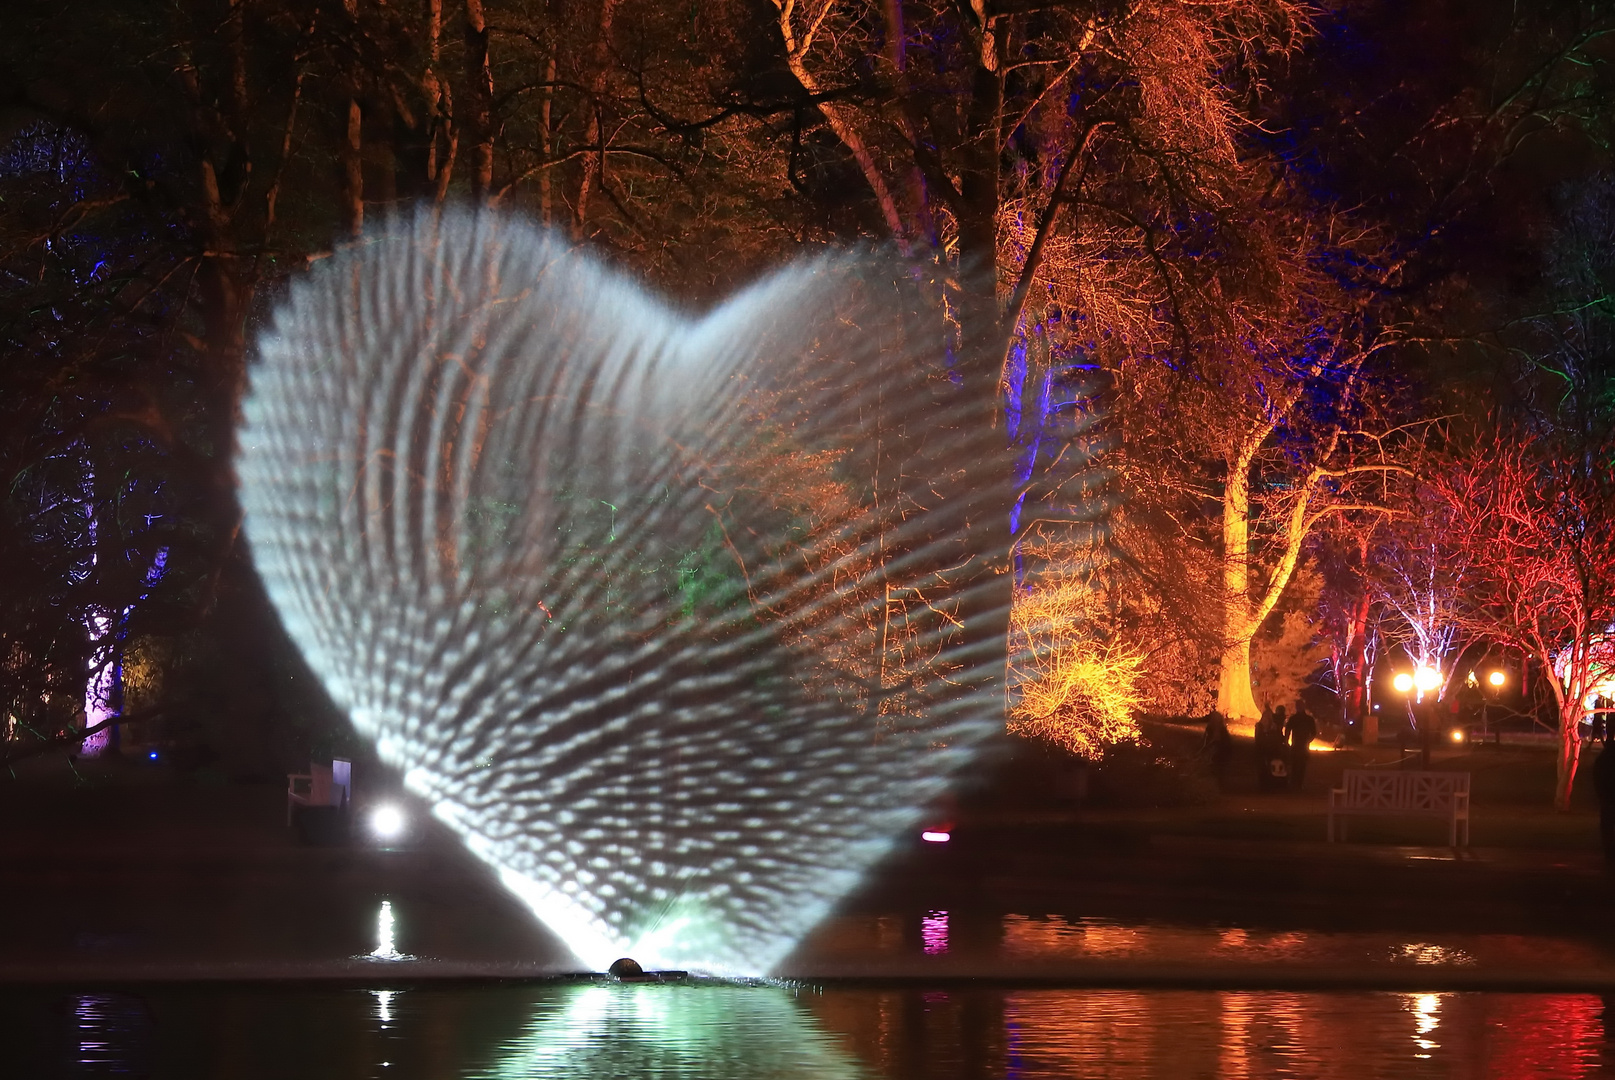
{"x":1218,"y":745}
{"x":1260,"y":739}
{"x":1301,"y":730}
{"x":1271,"y":752}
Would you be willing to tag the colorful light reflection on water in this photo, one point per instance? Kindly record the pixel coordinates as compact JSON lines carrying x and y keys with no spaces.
{"x":728,"y":1032}
{"x":987,"y":942}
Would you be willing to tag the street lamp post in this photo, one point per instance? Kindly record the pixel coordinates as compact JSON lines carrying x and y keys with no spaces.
{"x":1403,"y":684}
{"x":1370,"y":718}
{"x":1494,"y":682}
{"x":1413,"y":686}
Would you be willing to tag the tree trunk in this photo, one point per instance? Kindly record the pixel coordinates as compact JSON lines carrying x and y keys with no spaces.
{"x":479,"y":80}
{"x":844,"y":122}
{"x":103,"y":687}
{"x":226,"y":293}
{"x":1569,"y":752}
{"x":226,"y":296}
{"x":986,"y":488}
{"x":594,"y":164}
{"x":351,"y":150}
{"x":353,"y":173}
{"x":103,"y":684}
{"x":546,"y":138}
{"x":1357,"y":667}
{"x":1234,"y":698}
{"x":442,"y":138}
{"x":1570,"y":694}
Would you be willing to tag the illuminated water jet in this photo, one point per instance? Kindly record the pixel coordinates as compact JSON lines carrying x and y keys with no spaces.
{"x":676,"y":622}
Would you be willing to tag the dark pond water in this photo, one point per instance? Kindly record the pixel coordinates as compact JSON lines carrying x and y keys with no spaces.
{"x":933,"y":1020}
{"x":719,"y":1032}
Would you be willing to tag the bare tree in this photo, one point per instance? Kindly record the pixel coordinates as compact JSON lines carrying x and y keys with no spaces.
{"x":1536,"y":522}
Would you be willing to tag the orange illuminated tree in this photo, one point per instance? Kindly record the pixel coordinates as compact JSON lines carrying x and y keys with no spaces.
{"x":1068,"y":161}
{"x":1266,"y":423}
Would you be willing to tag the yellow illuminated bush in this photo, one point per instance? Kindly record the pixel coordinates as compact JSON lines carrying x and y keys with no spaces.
{"x":1066,"y":687}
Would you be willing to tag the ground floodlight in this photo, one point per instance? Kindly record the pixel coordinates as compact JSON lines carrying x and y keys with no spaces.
{"x":1403,"y":682}
{"x":1496,"y":678}
{"x":387,"y":822}
{"x":1426,"y":678}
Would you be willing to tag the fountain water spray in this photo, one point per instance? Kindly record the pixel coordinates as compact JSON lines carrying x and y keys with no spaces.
{"x":675,"y":621}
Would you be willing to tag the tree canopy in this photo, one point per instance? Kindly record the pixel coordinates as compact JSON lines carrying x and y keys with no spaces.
{"x":1258,"y":260}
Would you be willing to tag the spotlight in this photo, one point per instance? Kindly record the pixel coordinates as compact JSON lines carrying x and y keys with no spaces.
{"x":1403,"y":682}
{"x":1496,"y":678}
{"x":1426,"y":678}
{"x":387,"y":822}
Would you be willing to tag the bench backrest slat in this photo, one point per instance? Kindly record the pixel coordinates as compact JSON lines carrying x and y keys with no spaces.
{"x":1427,"y":791}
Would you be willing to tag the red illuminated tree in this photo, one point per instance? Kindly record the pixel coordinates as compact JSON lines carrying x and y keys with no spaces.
{"x":1534,"y":518}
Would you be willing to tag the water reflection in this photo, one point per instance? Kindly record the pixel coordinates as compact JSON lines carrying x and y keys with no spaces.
{"x":1057,"y":936}
{"x":1238,"y":1035}
{"x":1001,"y":942}
{"x":1545,"y":1036}
{"x":384,"y":1006}
{"x":1422,"y":952}
{"x":1237,"y":1014}
{"x":735,"y":1032}
{"x":1426,"y":1010}
{"x":112,"y":1034}
{"x":714,"y":1032}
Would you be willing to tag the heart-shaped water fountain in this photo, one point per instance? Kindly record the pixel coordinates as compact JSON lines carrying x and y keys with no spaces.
{"x":669,"y":618}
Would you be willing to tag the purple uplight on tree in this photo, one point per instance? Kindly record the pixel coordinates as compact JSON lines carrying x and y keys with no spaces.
{"x":107,"y":625}
{"x":103,"y":690}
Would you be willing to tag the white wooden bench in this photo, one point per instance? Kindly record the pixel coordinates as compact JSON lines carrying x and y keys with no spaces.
{"x":1410,"y":794}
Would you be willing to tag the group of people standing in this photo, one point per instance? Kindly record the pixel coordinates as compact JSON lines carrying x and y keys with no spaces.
{"x":1282,"y":744}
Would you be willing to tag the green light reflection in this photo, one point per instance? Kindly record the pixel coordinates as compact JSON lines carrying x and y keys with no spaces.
{"x":714,"y":1032}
